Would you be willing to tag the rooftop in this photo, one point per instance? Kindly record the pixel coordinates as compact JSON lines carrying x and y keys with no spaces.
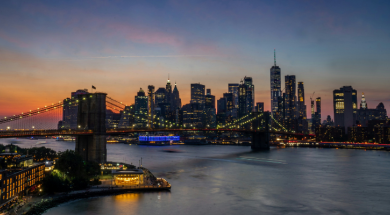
{"x":131,"y":171}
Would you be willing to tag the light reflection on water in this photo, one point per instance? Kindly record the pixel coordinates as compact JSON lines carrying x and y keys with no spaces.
{"x":234,"y":180}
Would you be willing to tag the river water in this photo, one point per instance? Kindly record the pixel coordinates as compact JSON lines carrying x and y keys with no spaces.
{"x":233,"y":180}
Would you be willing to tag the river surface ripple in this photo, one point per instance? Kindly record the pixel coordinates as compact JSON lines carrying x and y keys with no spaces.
{"x":234,"y":180}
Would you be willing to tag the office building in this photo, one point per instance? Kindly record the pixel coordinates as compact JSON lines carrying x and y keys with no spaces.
{"x":260,"y":107}
{"x":141,"y":110}
{"x":345,"y":107}
{"x":275,"y":86}
{"x":168,"y":93}
{"x":160,"y":96}
{"x":233,"y":88}
{"x":209,"y":100}
{"x":176,"y":101}
{"x":301,"y":101}
{"x":364,"y":115}
{"x":250,"y":94}
{"x":150,"y":105}
{"x":18,"y":176}
{"x":198,"y":95}
{"x":229,"y":101}
{"x":318,"y":112}
{"x":221,"y":105}
{"x":242,"y":96}
{"x":70,"y":110}
{"x":290,"y":104}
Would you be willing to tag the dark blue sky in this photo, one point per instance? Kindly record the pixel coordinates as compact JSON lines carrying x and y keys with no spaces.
{"x":67,"y":45}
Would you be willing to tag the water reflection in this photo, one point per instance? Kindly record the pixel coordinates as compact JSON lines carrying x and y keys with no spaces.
{"x":234,"y":180}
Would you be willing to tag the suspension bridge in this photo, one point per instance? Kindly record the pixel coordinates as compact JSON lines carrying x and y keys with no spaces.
{"x":91,"y":128}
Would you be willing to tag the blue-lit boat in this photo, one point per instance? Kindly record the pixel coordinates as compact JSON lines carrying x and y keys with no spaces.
{"x":158,"y":140}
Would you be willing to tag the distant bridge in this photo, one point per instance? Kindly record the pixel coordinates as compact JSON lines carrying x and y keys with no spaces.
{"x":92,"y":131}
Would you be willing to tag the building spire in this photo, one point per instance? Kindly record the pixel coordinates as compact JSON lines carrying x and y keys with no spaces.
{"x":168,"y":77}
{"x":274,"y":58}
{"x":363,"y":103}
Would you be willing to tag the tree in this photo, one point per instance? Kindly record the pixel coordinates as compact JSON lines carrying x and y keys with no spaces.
{"x":53,"y":183}
{"x":70,"y":163}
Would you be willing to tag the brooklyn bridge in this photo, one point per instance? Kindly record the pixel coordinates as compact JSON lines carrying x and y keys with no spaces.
{"x":91,"y":131}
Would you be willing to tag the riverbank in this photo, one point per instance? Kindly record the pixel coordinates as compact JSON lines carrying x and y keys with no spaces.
{"x":45,"y":204}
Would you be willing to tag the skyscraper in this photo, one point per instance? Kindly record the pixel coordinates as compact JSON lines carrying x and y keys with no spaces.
{"x":209,"y":100}
{"x":168,"y":92}
{"x":150,"y":105}
{"x":233,"y":88}
{"x":275,"y":86}
{"x":242,"y":96}
{"x":141,"y":109}
{"x":290,"y":106}
{"x":198,"y":95}
{"x":210,"y":111}
{"x":250,"y":91}
{"x":301,"y":101}
{"x":229,"y":101}
{"x":363,"y":103}
{"x":318,"y":112}
{"x":260,"y":107}
{"x":176,"y":101}
{"x":302,"y":122}
{"x":70,"y":110}
{"x":160,"y":96}
{"x":345,"y":107}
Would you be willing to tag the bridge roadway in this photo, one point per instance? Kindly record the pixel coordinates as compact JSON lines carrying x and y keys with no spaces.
{"x":114,"y":132}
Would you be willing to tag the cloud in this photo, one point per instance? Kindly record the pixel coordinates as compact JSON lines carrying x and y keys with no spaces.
{"x":154,"y":56}
{"x":14,"y":40}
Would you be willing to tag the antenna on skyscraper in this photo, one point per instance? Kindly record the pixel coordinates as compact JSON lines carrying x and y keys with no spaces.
{"x":274,"y":57}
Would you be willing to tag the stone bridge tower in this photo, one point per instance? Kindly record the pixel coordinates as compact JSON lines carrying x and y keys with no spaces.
{"x":260,"y":140}
{"x":91,"y":115}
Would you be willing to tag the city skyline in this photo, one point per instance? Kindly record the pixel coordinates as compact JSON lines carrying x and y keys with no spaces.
{"x":83,"y":49}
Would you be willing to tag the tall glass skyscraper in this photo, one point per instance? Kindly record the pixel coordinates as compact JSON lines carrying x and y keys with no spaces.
{"x":275,"y":86}
{"x":250,"y":91}
{"x":290,"y":83}
{"x":345,"y":107}
{"x":233,"y":88}
{"x":198,"y":95}
{"x":301,"y":101}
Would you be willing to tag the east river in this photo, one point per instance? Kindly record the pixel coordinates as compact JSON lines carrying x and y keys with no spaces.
{"x":234,"y":180}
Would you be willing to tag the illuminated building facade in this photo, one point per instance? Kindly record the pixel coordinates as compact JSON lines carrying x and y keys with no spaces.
{"x":260,"y":107}
{"x":70,"y":109}
{"x":275,"y":86}
{"x":302,"y":116}
{"x":141,"y":110}
{"x":209,"y":100}
{"x":229,"y":101}
{"x":127,"y":117}
{"x":290,"y":107}
{"x":22,"y":176}
{"x":364,"y":114}
{"x":198,"y":95}
{"x":133,"y":177}
{"x":242,"y":110}
{"x":150,"y":105}
{"x":233,"y":88}
{"x":345,"y":107}
{"x":159,"y":96}
{"x":168,"y":92}
{"x":250,"y":94}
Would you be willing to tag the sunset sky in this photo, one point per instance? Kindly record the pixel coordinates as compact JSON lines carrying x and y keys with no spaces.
{"x":50,"y":48}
